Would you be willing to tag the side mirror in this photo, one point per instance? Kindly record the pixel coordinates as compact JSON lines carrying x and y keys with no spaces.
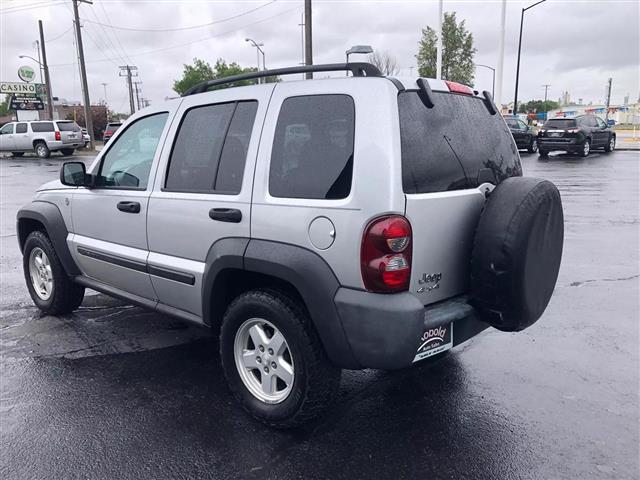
{"x":73,"y":174}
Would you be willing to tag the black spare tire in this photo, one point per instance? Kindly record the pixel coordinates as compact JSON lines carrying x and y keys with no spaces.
{"x":516,"y":253}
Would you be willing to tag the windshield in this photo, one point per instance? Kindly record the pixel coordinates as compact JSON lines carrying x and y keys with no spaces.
{"x":457,"y":144}
{"x":68,"y":127}
{"x":560,"y":123}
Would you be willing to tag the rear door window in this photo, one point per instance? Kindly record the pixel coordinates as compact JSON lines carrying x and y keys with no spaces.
{"x":312,"y":155}
{"x":455,"y":145}
{"x":21,"y":128}
{"x":559,"y":123}
{"x":210,"y":150}
{"x":42,"y":127}
{"x":68,"y":127}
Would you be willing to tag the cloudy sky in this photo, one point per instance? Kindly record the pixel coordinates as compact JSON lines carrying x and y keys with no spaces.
{"x":573,"y":45}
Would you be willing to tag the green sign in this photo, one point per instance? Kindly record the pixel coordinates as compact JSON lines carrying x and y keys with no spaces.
{"x":26,"y":73}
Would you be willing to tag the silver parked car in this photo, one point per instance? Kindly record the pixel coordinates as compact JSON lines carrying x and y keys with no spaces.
{"x":319,"y":225}
{"x":41,"y":137}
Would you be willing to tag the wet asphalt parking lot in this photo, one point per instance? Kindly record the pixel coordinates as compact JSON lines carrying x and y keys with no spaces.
{"x":113,"y":391}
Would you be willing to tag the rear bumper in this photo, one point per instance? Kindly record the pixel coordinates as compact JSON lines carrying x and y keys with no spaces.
{"x":384,"y":331}
{"x":569,"y":145}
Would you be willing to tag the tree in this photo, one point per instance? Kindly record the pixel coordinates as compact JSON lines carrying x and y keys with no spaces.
{"x":202,"y":71}
{"x":4,"y":106}
{"x":457,"y":51}
{"x":538,"y":106}
{"x":385,"y":62}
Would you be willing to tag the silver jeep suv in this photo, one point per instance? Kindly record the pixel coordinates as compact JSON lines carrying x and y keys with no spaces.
{"x":41,"y":137}
{"x":345,"y":223}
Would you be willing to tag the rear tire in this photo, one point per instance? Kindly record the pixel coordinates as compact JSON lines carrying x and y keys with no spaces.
{"x":611,"y":144}
{"x":42,"y":150}
{"x":62,"y":295}
{"x":586,"y":148}
{"x":17,"y":154}
{"x":314,"y":381}
{"x":67,"y":151}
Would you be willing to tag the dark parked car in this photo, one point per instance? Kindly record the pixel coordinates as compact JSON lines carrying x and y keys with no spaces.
{"x":576,"y":135}
{"x":523,"y":134}
{"x":110,"y":130}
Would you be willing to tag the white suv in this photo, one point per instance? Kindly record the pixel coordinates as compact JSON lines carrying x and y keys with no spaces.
{"x":41,"y":137}
{"x":346,"y":223}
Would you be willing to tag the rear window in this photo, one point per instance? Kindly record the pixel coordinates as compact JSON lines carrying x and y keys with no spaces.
{"x":455,"y":145}
{"x":42,"y":127}
{"x":560,"y":123}
{"x":312,"y":154}
{"x":512,"y":123}
{"x":113,"y":126}
{"x":68,"y":127}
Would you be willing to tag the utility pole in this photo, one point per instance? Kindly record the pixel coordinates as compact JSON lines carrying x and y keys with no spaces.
{"x":37,"y":44}
{"x":45,"y":66}
{"x":308,"y":42}
{"x":439,"y":45}
{"x":106,"y":103}
{"x":83,"y":74}
{"x":546,"y":89}
{"x":500,"y":69}
{"x":128,"y":71}
{"x":608,"y":98}
{"x":137,"y":94}
{"x":301,"y":25}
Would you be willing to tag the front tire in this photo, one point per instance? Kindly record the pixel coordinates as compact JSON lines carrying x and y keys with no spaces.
{"x":67,"y":152}
{"x":17,"y":154}
{"x":42,"y":150}
{"x":273,"y":360}
{"x":611,"y":144}
{"x":533,"y":146}
{"x":586,"y":148}
{"x":543,"y":153}
{"x":50,"y":288}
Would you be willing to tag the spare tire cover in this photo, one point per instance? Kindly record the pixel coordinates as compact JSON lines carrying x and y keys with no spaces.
{"x":516,"y":253}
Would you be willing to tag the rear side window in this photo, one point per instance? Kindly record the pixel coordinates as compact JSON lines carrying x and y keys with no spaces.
{"x":68,"y":127}
{"x":559,"y":123}
{"x":455,"y":145}
{"x":42,"y":127}
{"x":210,"y":150}
{"x":312,"y":154}
{"x":21,"y":128}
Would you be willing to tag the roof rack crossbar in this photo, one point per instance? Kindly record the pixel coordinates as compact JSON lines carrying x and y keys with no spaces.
{"x":358,"y":69}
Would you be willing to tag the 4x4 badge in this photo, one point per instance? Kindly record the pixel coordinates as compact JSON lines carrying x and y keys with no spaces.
{"x":429,"y":282}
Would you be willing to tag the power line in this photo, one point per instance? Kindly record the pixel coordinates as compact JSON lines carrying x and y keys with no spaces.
{"x":20,"y":8}
{"x":61,"y":35}
{"x":115,"y":33}
{"x":182,"y":28}
{"x":149,"y":52}
{"x":106,"y":35}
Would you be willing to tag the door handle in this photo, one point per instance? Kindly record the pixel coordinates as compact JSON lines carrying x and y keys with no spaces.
{"x":230,"y":215}
{"x":129,"y":207}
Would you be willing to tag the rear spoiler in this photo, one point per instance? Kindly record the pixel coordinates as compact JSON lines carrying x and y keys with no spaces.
{"x":426,"y":94}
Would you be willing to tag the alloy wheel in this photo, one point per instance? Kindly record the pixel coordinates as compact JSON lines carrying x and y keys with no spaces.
{"x":40,"y":273}
{"x":264,"y":360}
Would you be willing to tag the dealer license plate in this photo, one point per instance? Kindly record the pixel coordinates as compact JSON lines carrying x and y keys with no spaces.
{"x":435,"y":341}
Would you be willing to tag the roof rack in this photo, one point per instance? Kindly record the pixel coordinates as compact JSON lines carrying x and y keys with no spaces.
{"x":358,"y":69}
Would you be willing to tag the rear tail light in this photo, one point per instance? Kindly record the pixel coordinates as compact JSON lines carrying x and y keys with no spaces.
{"x":385,"y":256}
{"x":58,"y":136}
{"x":458,"y":88}
{"x":108,"y":132}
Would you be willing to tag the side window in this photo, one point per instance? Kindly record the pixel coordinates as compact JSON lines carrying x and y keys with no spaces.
{"x":601,"y":123}
{"x":42,"y":127}
{"x":591,"y":121}
{"x":128,"y":161}
{"x":210,"y":149}
{"x":523,"y":126}
{"x":7,"y":129}
{"x":312,"y":154}
{"x":21,"y":128}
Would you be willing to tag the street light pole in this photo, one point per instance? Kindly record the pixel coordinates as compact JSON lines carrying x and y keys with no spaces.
{"x":258,"y":52}
{"x":493,"y":83}
{"x":515,"y":97}
{"x":45,"y":67}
